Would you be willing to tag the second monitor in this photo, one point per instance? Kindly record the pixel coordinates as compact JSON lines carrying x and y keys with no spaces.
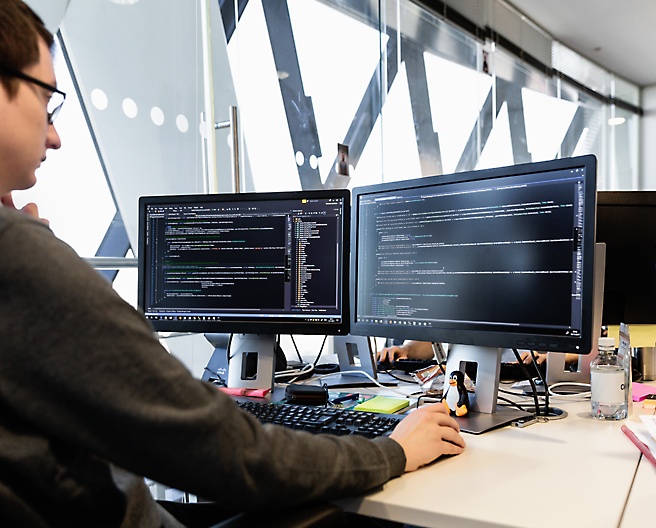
{"x":496,"y":258}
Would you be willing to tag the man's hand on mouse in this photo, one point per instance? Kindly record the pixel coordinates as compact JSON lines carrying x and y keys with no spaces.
{"x":426,"y":434}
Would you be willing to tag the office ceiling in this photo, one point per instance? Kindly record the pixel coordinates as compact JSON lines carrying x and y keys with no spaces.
{"x":617,"y":35}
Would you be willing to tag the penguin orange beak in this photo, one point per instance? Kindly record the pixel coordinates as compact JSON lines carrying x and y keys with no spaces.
{"x":452,"y":382}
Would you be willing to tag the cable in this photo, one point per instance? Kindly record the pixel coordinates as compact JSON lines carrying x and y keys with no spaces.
{"x":295,"y":374}
{"x":434,"y":399}
{"x":228,"y":356}
{"x":515,"y":393}
{"x":316,"y":360}
{"x":585,"y":394}
{"x":439,"y":355}
{"x":387,"y":371}
{"x":300,"y":358}
{"x":547,"y":408}
{"x":530,"y":380}
{"x":510,"y":403}
{"x":375,"y":382}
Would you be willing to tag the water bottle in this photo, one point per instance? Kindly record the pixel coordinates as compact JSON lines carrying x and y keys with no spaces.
{"x":608,"y":383}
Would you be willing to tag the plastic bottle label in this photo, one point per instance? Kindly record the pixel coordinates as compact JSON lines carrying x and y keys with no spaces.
{"x":607,"y":387}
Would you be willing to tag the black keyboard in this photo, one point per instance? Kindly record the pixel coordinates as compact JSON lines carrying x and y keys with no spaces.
{"x":514,"y":372}
{"x":406,"y":365}
{"x":329,"y":420}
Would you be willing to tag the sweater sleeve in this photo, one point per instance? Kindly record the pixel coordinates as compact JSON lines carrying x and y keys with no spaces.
{"x":82,"y":366}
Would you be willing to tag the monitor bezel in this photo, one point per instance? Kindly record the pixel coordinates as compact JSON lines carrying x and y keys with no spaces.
{"x":260,"y":326}
{"x":582,"y":344}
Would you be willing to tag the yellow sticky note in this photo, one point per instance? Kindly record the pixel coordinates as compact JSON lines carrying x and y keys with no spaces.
{"x":382,"y":404}
{"x":649,"y":404}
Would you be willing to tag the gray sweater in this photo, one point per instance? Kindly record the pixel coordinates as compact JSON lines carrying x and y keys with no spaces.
{"x":90,"y":403}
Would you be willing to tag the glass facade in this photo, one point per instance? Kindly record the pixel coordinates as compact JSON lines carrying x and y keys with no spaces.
{"x":410,"y":94}
{"x":407,"y":92}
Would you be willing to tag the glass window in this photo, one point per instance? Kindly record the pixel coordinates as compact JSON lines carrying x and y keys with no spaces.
{"x":409,"y":93}
{"x":71,"y":190}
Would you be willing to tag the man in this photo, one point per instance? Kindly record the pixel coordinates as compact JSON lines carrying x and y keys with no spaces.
{"x":89,"y":400}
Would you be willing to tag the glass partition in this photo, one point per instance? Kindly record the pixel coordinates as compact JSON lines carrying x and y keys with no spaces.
{"x":409,"y":93}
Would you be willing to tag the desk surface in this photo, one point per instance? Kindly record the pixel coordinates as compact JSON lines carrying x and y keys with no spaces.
{"x":641,"y":506}
{"x":545,"y":475}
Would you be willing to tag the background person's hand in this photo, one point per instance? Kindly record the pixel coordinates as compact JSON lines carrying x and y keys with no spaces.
{"x":408,"y":350}
{"x":527,"y":357}
{"x":391,"y":354}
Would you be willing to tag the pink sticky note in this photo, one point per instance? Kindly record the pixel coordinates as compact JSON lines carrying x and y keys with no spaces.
{"x":640,"y":391}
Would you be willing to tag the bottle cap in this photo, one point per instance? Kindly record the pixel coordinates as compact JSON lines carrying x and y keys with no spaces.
{"x":608,"y":342}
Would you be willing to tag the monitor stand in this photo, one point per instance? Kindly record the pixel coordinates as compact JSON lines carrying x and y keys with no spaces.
{"x":252,"y":361}
{"x":356,"y":356}
{"x":556,"y":369}
{"x":217,"y":366}
{"x":483,"y":413}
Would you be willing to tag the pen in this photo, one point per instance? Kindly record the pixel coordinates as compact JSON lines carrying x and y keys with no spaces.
{"x":353,"y":396}
{"x":644,"y":449}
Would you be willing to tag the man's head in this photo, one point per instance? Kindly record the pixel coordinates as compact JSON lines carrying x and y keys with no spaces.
{"x":25,"y":133}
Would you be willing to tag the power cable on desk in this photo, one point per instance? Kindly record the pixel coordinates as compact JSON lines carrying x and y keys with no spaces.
{"x":554,"y":413}
{"x":300,"y":358}
{"x":323,"y":343}
{"x":375,"y":382}
{"x":583,"y":395}
{"x":295,"y":374}
{"x":510,"y":403}
{"x":530,"y":379}
{"x":396,"y":377}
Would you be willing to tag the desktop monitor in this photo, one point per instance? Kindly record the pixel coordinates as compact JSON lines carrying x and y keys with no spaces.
{"x":626,"y":223}
{"x":252,"y":265}
{"x":485,"y":260}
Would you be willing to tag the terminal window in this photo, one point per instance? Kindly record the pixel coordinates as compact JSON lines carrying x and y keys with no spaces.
{"x":244,"y":259}
{"x":478,"y":252}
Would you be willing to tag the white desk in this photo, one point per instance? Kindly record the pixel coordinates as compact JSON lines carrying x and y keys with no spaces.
{"x":571,"y":472}
{"x":641,"y":506}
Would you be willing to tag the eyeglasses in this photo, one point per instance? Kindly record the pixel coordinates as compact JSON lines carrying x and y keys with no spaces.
{"x":57,"y":97}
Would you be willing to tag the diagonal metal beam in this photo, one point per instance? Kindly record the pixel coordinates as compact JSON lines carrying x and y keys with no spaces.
{"x":480,"y":132}
{"x":428,"y":143}
{"x":573,"y":134}
{"x":227,"y":8}
{"x":115,"y":243}
{"x":511,"y":94}
{"x":371,"y":105}
{"x":298,"y":106}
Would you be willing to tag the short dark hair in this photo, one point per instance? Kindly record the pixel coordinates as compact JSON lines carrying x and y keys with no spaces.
{"x":20,"y":30}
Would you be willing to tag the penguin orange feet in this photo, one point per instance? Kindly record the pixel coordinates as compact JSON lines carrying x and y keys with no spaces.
{"x":446,"y":406}
{"x":461,"y":411}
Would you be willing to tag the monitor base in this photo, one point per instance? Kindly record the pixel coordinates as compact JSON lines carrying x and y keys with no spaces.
{"x":480,"y":422}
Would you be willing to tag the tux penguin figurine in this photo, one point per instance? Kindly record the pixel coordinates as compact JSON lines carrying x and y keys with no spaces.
{"x":455,"y":397}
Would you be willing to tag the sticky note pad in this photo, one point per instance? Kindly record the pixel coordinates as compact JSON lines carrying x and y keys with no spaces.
{"x":382,"y":404}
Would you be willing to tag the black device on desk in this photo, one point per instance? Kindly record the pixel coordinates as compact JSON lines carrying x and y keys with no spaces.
{"x":405,"y":365}
{"x":252,"y":265}
{"x":483,"y":260}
